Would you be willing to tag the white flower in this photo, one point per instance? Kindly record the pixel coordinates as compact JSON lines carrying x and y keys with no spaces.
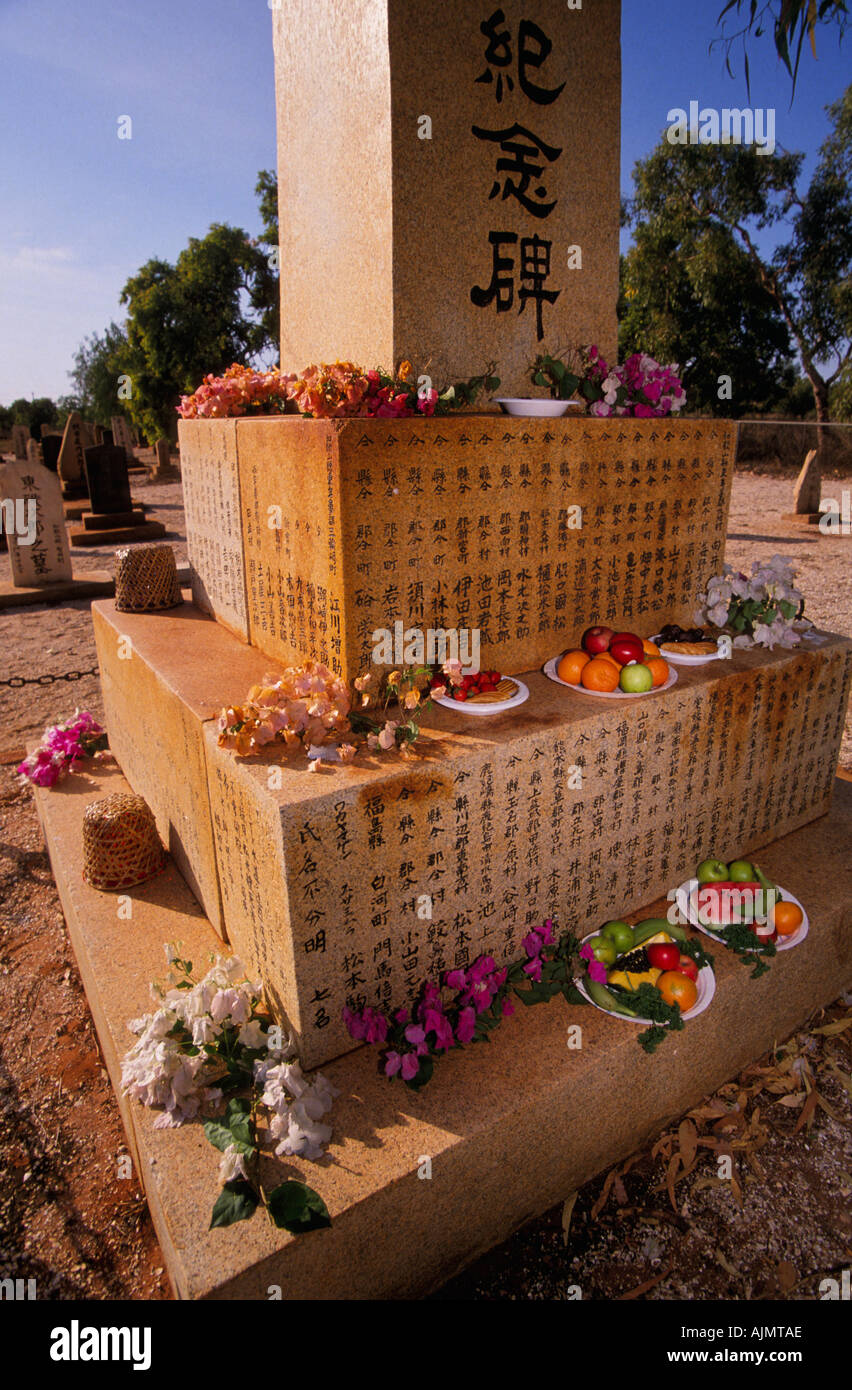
{"x":718,"y":615}
{"x":232,"y":1165}
{"x":252,"y":1035}
{"x":230,"y":1004}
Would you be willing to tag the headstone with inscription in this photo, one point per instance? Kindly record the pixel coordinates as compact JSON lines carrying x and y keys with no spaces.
{"x":527,"y":530}
{"x":20,"y":438}
{"x":472,"y":213}
{"x":121,"y":433}
{"x":33,"y":451}
{"x":106,"y":475}
{"x":38,"y":541}
{"x":71,"y":464}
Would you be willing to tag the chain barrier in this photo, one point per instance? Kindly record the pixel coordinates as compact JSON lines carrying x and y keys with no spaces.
{"x":17,"y":681}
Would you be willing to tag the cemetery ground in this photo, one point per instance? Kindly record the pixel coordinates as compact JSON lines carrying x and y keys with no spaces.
{"x":642,"y":1230}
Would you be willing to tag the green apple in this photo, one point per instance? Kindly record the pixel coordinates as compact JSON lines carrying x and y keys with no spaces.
{"x":712,"y":871}
{"x":604,"y":950}
{"x":741,"y":871}
{"x":620,"y":934}
{"x":636,"y":678}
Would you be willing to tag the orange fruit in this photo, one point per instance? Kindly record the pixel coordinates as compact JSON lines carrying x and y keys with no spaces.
{"x":599,"y":674}
{"x":786,"y":918}
{"x":659,"y":668}
{"x":570,"y":665}
{"x":650,"y":648}
{"x":608,"y":656}
{"x":677,"y":989}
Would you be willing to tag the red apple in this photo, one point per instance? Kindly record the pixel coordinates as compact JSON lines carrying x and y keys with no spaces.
{"x":626,"y":647}
{"x":686,"y":965}
{"x":597,"y":639}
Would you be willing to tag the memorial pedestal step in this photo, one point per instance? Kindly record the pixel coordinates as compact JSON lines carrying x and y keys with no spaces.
{"x":107,"y":521}
{"x":116,"y":535}
{"x":355,"y":883}
{"x":511,"y":1128}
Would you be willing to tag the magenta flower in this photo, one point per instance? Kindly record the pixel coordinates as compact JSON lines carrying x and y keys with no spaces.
{"x":466,"y":1025}
{"x":597,"y":971}
{"x":508,"y":1008}
{"x":533,"y":969}
{"x":401,"y":1016}
{"x":410,"y":1066}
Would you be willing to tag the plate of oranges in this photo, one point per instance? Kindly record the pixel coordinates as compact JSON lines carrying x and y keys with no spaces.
{"x":602,"y":674}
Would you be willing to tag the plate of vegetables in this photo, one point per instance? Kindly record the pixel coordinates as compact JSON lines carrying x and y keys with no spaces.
{"x":651,"y":973}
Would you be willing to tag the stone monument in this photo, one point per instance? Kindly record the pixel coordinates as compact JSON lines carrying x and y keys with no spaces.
{"x":71,"y":464}
{"x":20,"y":439}
{"x":112,"y":519}
{"x":35,"y":525}
{"x":469,"y":208}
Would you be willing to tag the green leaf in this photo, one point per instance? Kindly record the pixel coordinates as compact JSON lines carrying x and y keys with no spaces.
{"x":221,"y":1137}
{"x":236,"y":1202}
{"x":238,"y":1120}
{"x":573,"y":995}
{"x":296,"y":1208}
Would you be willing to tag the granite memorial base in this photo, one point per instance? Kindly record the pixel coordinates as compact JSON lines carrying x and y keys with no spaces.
{"x":354,"y":883}
{"x":509,"y":1128}
{"x":104,"y":521}
{"x":80,"y":536}
{"x":305,"y":537}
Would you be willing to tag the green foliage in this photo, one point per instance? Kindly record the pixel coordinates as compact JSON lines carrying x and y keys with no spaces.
{"x":98,"y":363}
{"x":696,"y":290}
{"x":191,"y":318}
{"x":295,"y":1207}
{"x":34,"y":414}
{"x":791,"y":21}
{"x":236,"y":1202}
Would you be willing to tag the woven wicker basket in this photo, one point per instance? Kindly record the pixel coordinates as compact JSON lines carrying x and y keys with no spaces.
{"x":146,"y":579}
{"x":121,"y":846}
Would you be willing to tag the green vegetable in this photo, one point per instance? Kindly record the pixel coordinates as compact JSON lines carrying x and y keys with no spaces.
{"x":606,"y":999}
{"x":747,"y":948}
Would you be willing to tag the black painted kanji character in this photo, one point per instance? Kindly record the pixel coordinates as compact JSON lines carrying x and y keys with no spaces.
{"x":498,"y":52}
{"x":523,"y":152}
{"x":535,"y":268}
{"x":534,"y":57}
{"x":502,"y":287}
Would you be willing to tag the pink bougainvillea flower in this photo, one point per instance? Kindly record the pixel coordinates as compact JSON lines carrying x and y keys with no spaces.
{"x":597,"y":971}
{"x":466,"y":1025}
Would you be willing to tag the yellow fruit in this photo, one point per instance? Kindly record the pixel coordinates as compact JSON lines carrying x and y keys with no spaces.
{"x":629,"y":979}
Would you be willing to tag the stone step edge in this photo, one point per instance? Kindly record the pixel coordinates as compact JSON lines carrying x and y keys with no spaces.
{"x":510,"y":1128}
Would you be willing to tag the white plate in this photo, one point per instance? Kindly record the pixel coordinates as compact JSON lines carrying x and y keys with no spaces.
{"x":784,"y":943}
{"x":705,"y":984}
{"x":550,"y":671}
{"x":688,"y":660}
{"x":490,"y":707}
{"x":535,"y":406}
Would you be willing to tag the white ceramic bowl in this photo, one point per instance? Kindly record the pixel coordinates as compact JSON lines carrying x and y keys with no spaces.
{"x":535,"y":405}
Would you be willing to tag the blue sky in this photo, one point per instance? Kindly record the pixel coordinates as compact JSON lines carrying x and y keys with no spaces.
{"x":82,"y":210}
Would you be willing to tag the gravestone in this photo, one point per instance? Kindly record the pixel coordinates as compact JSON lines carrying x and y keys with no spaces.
{"x":71,"y":463}
{"x":106,"y":474}
{"x":33,"y":451}
{"x":50,"y":447}
{"x":108,"y":437}
{"x":808,"y":490}
{"x":472,"y":211}
{"x":38,"y":542}
{"x":50,"y":429}
{"x":20,"y":436}
{"x":121,"y":433}
{"x":164,"y":469}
